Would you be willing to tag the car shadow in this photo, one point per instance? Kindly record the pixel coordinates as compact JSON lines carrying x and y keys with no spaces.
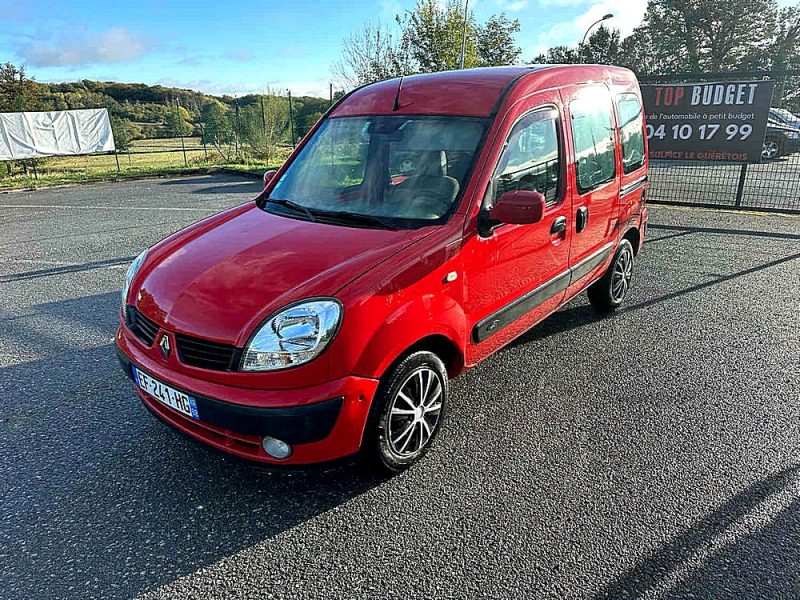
{"x":99,"y":496}
{"x":573,"y":316}
{"x":686,"y":230}
{"x":218,"y":184}
{"x":200,"y":179}
{"x":62,"y":269}
{"x":746,"y":548}
{"x":245,"y":187}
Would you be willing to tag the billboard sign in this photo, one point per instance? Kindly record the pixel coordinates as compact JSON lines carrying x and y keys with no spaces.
{"x":717,"y":122}
{"x":54,"y":133}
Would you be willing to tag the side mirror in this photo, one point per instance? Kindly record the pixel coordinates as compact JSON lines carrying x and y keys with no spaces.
{"x":518,"y":207}
{"x":268,"y":176}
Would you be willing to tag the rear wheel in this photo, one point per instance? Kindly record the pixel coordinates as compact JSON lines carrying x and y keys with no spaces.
{"x":608,"y":292}
{"x":409,"y":408}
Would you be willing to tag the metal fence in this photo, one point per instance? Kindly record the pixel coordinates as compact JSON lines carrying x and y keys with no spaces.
{"x":145,"y":156}
{"x":772,"y":185}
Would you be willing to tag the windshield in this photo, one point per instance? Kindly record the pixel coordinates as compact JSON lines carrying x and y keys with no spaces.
{"x":397,"y":171}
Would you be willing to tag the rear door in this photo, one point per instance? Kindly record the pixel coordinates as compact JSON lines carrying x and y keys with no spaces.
{"x":594,"y":179}
{"x":633,"y":141}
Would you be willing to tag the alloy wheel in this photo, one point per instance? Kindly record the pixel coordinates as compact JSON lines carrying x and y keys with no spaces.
{"x":621,"y":277}
{"x":770,"y":150}
{"x":415,"y":412}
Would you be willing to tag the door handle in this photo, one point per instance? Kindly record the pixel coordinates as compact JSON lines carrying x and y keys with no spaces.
{"x":581,"y":219}
{"x":559,"y":226}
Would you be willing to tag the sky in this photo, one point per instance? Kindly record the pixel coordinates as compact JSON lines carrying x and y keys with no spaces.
{"x":224,"y":47}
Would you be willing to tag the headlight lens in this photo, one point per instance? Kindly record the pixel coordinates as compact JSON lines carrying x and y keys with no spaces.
{"x":793,"y":135}
{"x":137,"y":262}
{"x":294,"y":336}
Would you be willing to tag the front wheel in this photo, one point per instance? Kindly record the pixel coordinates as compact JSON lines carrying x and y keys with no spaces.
{"x":410,"y":405}
{"x":607,"y":293}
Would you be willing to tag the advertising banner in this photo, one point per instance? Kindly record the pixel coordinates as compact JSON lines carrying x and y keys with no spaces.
{"x":63,"y":132}
{"x":719,"y":122}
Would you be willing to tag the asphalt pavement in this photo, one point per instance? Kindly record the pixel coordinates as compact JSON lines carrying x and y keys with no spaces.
{"x":654,"y":453}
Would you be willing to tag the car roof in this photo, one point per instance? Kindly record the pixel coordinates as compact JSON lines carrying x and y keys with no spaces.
{"x":469,"y":92}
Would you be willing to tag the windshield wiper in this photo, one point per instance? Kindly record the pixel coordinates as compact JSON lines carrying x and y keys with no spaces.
{"x":293,"y":206}
{"x":341,"y":216}
{"x":347,"y":216}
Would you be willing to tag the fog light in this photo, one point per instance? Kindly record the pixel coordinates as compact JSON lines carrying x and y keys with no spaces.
{"x":276,"y":448}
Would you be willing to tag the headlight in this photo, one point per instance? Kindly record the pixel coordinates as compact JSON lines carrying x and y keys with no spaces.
{"x":131,"y":273}
{"x":296,"y":335}
{"x":793,"y":135}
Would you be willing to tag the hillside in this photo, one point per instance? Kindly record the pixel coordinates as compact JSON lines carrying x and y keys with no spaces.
{"x":149,"y":111}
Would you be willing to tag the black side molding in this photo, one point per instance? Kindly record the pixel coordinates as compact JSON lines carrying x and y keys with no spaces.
{"x":524,"y":304}
{"x":590,"y":263}
{"x":294,"y":425}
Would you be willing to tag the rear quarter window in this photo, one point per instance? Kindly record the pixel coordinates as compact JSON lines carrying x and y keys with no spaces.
{"x":629,"y":111}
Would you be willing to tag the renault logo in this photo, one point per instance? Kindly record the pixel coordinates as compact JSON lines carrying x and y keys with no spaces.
{"x":164,"y":345}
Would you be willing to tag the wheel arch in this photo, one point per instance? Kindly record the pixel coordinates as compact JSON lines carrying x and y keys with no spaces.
{"x":440,"y":345}
{"x":634,"y":236}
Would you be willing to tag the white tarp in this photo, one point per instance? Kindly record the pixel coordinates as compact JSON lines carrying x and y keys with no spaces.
{"x":33,"y":134}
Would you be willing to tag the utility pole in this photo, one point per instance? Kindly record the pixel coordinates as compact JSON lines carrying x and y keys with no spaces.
{"x":179,"y":123}
{"x":291,"y":117}
{"x":464,"y":33}
{"x":263,"y":115}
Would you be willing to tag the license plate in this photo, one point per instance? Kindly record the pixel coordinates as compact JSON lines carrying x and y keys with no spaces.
{"x":165,"y":394}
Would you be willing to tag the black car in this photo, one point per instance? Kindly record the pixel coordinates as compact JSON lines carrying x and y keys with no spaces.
{"x":780,"y":140}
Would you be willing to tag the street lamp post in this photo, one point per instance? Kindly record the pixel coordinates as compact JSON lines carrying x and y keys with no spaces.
{"x":604,"y":18}
{"x":464,"y":33}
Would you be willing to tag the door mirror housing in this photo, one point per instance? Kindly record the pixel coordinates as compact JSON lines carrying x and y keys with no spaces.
{"x":518,"y":207}
{"x":268,"y":176}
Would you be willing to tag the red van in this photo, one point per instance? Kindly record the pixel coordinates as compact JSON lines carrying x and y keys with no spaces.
{"x":423,"y":224}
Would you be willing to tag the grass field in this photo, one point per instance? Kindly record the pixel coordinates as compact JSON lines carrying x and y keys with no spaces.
{"x":146,"y":157}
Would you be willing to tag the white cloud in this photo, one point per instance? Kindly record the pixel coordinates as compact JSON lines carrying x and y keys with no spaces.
{"x":512,"y":5}
{"x":77,"y":47}
{"x":318,"y":88}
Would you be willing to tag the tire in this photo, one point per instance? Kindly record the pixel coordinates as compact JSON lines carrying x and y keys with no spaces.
{"x":608,"y":293}
{"x":400,"y":433}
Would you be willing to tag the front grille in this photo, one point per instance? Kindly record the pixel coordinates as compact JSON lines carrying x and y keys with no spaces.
{"x":141,"y":326}
{"x":207,"y":355}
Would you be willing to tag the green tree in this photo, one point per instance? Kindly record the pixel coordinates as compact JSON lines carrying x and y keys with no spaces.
{"x":216,"y":126}
{"x":698,"y":36}
{"x":785,"y":37}
{"x":124,"y":133}
{"x":16,"y":89}
{"x":495,"y":44}
{"x":176,"y":122}
{"x":432,"y":36}
{"x":602,"y":47}
{"x":261,"y":125}
{"x":706,"y":35}
{"x":559,"y":55}
{"x":429,"y":39}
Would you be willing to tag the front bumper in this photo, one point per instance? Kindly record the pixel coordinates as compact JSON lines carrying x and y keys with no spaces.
{"x":322,"y":423}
